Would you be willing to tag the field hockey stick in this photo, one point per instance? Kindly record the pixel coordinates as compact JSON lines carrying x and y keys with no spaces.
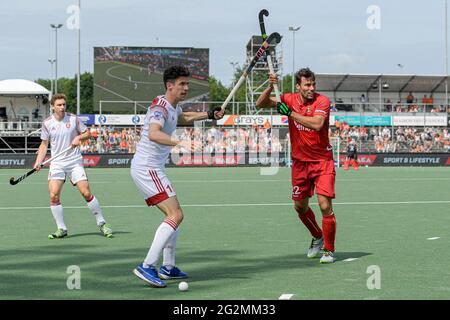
{"x":16,"y":181}
{"x":261,"y":15}
{"x":255,"y":59}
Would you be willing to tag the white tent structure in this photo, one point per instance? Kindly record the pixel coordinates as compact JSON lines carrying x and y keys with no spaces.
{"x":23,"y":100}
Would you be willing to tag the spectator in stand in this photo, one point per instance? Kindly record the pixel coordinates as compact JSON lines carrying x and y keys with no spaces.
{"x":388,"y":106}
{"x":409,"y":98}
{"x":430,"y":103}
{"x":424,"y":100}
{"x":363,"y":101}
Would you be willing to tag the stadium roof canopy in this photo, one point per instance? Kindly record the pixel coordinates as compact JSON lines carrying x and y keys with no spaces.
{"x":21,"y":87}
{"x":370,"y":82}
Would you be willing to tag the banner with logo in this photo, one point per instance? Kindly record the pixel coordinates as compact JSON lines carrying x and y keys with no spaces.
{"x":119,"y":119}
{"x":249,"y":120}
{"x":26,"y":161}
{"x":365,"y":121}
{"x":411,"y":121}
{"x":88,"y":119}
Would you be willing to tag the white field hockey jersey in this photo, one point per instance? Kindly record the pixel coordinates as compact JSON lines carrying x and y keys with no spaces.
{"x":60,"y":134}
{"x":150,"y":154}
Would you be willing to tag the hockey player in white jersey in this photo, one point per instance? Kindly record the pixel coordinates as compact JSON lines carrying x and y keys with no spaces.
{"x":147,"y":171}
{"x":63,"y":129}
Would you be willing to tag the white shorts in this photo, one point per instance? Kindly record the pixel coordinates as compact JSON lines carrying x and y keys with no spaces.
{"x":153,"y":184}
{"x":75,"y":173}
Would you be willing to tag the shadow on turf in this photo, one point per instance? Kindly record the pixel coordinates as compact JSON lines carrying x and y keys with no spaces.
{"x":41,"y":272}
{"x":93,"y":234}
{"x":346,"y":255}
{"x":238,"y":265}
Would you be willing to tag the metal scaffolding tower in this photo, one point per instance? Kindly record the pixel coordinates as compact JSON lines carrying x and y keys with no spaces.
{"x":257,"y":80}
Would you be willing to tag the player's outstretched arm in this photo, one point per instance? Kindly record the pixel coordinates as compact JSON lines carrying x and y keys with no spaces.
{"x":264,"y":100}
{"x":189,"y":117}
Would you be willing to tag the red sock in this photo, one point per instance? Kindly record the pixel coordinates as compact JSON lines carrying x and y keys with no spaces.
{"x":329,"y":231}
{"x":346,"y":164}
{"x":309,"y":220}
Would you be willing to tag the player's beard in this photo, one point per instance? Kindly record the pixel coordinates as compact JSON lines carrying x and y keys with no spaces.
{"x":306,"y":97}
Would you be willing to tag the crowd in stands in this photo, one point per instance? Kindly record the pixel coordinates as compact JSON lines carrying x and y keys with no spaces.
{"x":399,"y":139}
{"x":214,"y":139}
{"x":259,"y":139}
{"x":111,"y":140}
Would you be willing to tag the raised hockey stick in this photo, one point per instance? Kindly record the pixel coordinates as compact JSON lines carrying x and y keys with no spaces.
{"x":269,"y":52}
{"x":255,"y":59}
{"x":16,"y":181}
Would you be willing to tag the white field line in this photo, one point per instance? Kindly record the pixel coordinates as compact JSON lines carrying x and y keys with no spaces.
{"x":243,"y":205}
{"x":285,"y":296}
{"x":433,"y":238}
{"x":119,"y":95}
{"x":108,"y":72}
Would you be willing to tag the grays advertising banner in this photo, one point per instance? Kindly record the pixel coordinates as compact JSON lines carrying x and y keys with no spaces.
{"x":26,"y":161}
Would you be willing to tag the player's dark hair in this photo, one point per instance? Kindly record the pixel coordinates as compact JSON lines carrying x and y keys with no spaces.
{"x":305,"y":73}
{"x":173,"y":73}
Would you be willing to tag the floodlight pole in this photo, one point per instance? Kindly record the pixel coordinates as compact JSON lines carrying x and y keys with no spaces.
{"x":79,"y":58}
{"x":52,"y":61}
{"x":56,"y":27}
{"x":446,"y":57}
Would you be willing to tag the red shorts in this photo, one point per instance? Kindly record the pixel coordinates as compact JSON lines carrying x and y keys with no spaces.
{"x":307,"y":175}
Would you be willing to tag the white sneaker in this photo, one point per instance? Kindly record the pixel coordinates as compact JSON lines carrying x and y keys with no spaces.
{"x":327,"y":257}
{"x":315,"y":248}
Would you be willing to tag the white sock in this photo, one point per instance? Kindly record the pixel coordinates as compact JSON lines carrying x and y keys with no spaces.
{"x":169,"y":251}
{"x":162,"y":235}
{"x":58,"y":215}
{"x":94,"y":206}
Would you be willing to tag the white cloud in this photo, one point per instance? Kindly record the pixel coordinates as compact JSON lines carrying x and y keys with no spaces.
{"x":340,"y":60}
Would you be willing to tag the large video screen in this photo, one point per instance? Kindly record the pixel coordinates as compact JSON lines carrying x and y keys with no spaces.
{"x":123,"y":75}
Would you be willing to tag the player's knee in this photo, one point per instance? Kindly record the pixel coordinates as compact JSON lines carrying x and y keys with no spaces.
{"x":176,"y":215}
{"x":325,"y":207}
{"x":301,"y":209}
{"x":87,"y":195}
{"x":54,"y":198}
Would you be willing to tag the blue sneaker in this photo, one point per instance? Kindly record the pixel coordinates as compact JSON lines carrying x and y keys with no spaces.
{"x":173,"y":273}
{"x":149,"y":275}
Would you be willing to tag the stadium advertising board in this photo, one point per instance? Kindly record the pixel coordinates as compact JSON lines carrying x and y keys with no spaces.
{"x":248,"y":120}
{"x":87,"y":119}
{"x":119,"y":119}
{"x":123,"y":75}
{"x":433,"y":120}
{"x":363,"y":120}
{"x":26,"y":161}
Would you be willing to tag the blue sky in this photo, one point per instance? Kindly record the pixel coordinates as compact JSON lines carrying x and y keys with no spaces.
{"x":334,"y":36}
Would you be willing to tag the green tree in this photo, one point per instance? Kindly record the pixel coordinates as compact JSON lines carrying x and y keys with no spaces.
{"x":68,"y":86}
{"x":217,"y":91}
